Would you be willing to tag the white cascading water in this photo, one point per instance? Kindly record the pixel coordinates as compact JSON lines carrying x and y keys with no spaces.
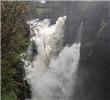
{"x":51,"y":75}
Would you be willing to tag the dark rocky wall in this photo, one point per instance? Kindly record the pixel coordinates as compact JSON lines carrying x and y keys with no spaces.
{"x":93,"y":82}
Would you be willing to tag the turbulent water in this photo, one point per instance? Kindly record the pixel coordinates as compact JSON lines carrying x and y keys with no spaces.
{"x":52,"y":72}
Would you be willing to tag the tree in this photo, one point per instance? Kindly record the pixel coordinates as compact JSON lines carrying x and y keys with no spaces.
{"x":14,"y":40}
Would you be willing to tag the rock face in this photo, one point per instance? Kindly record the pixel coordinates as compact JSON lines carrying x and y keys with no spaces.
{"x":93,"y":81}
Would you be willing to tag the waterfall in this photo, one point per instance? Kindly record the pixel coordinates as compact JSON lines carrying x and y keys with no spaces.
{"x":52,"y":72}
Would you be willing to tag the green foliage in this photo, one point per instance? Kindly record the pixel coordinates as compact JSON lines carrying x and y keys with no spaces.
{"x":14,"y":41}
{"x":10,"y":67}
{"x":10,"y":96}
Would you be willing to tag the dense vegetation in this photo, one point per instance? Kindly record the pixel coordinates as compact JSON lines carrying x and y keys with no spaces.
{"x":93,"y":82}
{"x":14,"y":41}
{"x":14,"y":38}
